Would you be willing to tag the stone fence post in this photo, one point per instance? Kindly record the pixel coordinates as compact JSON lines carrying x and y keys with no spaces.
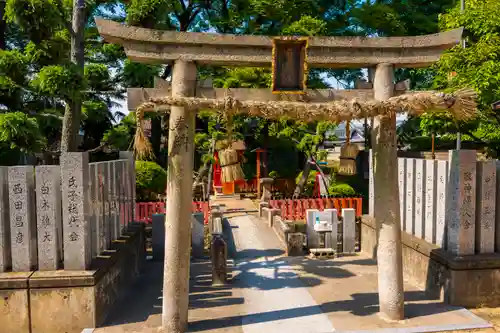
{"x":75,"y":208}
{"x":23,"y":218}
{"x":5,"y":252}
{"x":48,"y":200}
{"x":461,"y":205}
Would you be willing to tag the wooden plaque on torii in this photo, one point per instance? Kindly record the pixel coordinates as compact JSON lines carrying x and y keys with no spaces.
{"x":289,"y":66}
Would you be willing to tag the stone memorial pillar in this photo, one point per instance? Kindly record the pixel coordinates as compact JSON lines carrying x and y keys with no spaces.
{"x":410,"y":196}
{"x":179,"y":201}
{"x":430,"y":200}
{"x":120,"y":196}
{"x":94,"y":232}
{"x":461,"y":210}
{"x":386,"y":202}
{"x":402,"y":190}
{"x":158,"y":236}
{"x":107,"y":199}
{"x":331,"y":217}
{"x":485,"y":204}
{"x":75,"y":208}
{"x":497,"y":205}
{"x":419,"y":197}
{"x":100,"y":212}
{"x":348,"y":230}
{"x":115,"y":197}
{"x":130,"y":183}
{"x":312,"y":236}
{"x":5,"y":252}
{"x":49,"y":218}
{"x":441,"y":194}
{"x":218,"y":256}
{"x":22,"y":218}
{"x":197,"y":236}
{"x":370,"y":184}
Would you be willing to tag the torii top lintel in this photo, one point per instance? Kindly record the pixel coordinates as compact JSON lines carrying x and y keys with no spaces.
{"x":158,"y":46}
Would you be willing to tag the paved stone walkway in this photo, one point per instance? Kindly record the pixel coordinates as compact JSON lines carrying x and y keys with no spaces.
{"x":270,"y":293}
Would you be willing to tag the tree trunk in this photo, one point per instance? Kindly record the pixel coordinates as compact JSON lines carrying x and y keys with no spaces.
{"x":303,"y":179}
{"x":325,"y":182}
{"x":3,"y":25}
{"x":71,"y":121}
{"x":179,"y":201}
{"x":204,"y":168}
{"x":386,"y":202}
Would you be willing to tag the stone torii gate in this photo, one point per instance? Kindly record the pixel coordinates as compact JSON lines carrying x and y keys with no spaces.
{"x":186,"y":50}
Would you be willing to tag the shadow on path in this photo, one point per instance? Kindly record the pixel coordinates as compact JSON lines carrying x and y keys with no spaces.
{"x":360,"y":305}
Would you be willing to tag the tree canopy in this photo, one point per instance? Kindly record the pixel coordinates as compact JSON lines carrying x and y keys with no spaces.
{"x":40,"y":82}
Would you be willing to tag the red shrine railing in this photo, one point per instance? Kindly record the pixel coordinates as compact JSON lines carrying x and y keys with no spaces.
{"x":145,"y":210}
{"x":295,"y":209}
{"x":291,"y":209}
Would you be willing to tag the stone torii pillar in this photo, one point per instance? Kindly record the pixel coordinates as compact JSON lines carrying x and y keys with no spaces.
{"x":179,"y":200}
{"x":386,"y":202}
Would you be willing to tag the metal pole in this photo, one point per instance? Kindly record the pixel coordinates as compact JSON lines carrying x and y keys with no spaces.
{"x":459,"y":136}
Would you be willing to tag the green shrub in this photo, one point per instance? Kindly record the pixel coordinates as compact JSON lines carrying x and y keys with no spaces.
{"x":150,"y":180}
{"x":273,"y":174}
{"x":344,"y":190}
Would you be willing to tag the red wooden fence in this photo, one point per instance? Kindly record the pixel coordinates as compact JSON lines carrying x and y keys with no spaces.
{"x":295,"y":209}
{"x":291,"y":209}
{"x":145,"y":210}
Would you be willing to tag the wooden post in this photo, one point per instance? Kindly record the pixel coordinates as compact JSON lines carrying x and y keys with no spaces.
{"x":179,"y":198}
{"x":386,"y":202}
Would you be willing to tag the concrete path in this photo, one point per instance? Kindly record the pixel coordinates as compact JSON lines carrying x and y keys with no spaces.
{"x":271,"y":289}
{"x":271,"y":293}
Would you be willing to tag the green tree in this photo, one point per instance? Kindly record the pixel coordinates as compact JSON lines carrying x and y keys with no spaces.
{"x":477,"y":66}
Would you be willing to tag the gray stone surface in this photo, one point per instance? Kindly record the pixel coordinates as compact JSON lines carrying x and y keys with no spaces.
{"x":402,"y":190}
{"x":129,"y":184}
{"x":107,"y":213}
{"x":5,"y":252}
{"x":22,"y":218}
{"x":331,"y":217}
{"x":312,"y":235}
{"x":371,"y":189}
{"x":197,"y":235}
{"x":419,"y":198}
{"x":113,"y":198}
{"x":348,"y":230}
{"x":295,"y":244}
{"x":158,"y":236}
{"x":461,"y":211}
{"x":485,"y":206}
{"x":49,"y":218}
{"x":99,"y":208}
{"x":430,"y":204}
{"x":271,"y":216}
{"x":120,"y":195}
{"x":410,"y":196}
{"x":94,"y":232}
{"x":75,"y":208}
{"x":441,"y":195}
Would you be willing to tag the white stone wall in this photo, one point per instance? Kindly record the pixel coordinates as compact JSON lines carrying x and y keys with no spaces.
{"x":453,"y":203}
